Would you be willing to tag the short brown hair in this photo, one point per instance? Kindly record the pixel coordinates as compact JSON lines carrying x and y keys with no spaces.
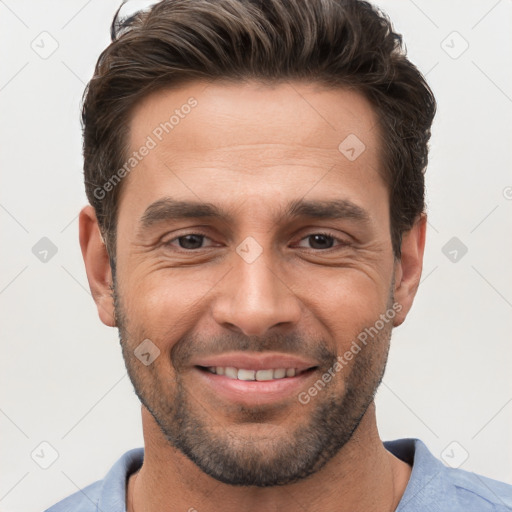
{"x":339,"y":43}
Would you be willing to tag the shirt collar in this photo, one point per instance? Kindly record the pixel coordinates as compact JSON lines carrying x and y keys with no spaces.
{"x":425,"y":485}
{"x":113,"y":489}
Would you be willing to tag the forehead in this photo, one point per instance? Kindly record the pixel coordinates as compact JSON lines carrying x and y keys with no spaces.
{"x":253,"y":112}
{"x":208,"y":137}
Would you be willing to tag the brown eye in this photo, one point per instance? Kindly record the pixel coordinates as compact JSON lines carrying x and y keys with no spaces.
{"x":322,"y":241}
{"x":189,"y":241}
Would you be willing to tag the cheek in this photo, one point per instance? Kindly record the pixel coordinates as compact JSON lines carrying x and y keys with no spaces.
{"x":346,"y":301}
{"x":164,"y":305}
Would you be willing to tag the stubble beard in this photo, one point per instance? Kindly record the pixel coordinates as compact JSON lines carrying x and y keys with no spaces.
{"x":281,"y":456}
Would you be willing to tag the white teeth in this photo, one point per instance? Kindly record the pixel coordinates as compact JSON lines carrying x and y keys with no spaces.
{"x":279,"y":373}
{"x":264,"y":374}
{"x":231,"y":372}
{"x":259,"y":375}
{"x":246,"y":374}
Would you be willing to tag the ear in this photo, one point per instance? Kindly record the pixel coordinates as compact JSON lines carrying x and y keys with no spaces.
{"x":408,"y":268}
{"x":97,"y":265}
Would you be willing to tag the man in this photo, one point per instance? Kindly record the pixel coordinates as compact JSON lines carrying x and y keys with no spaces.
{"x":256,"y":230}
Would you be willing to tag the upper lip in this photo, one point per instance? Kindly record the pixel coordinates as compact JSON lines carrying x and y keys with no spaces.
{"x":256,"y":361}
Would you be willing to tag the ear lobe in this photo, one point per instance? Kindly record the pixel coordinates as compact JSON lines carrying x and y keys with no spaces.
{"x":97,"y":265}
{"x":408,"y":268}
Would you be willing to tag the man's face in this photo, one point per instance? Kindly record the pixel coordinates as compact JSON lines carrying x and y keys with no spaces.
{"x":262,"y":287}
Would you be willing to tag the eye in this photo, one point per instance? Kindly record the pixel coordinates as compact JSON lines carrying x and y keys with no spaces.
{"x":189,"y":241}
{"x":323,"y":241}
{"x":316,"y":241}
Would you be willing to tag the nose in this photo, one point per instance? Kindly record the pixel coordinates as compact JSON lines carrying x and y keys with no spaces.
{"x":254,"y":298}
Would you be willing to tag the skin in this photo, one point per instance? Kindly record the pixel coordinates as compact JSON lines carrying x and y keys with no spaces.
{"x":251,"y":149}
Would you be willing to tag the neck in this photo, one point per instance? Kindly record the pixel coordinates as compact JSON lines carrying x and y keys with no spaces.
{"x":363,"y":476}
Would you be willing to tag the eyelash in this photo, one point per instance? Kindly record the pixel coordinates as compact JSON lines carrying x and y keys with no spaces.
{"x":341,"y":243}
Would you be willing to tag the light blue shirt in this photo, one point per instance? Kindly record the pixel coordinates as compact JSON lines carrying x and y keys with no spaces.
{"x":432,"y":486}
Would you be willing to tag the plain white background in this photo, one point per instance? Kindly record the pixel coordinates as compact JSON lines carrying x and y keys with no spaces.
{"x":63,"y":380}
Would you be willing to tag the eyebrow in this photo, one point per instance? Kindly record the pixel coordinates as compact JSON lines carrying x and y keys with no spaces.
{"x":168,"y":209}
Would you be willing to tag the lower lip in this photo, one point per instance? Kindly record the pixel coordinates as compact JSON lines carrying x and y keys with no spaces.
{"x":253,"y":392}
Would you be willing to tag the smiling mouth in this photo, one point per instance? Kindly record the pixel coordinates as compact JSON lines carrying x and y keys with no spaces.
{"x":255,"y":375}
